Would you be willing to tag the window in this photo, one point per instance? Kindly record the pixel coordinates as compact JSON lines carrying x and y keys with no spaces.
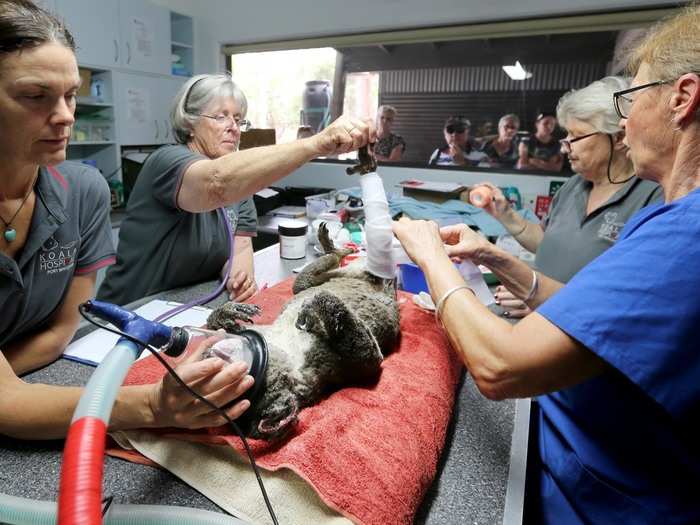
{"x":275,"y":85}
{"x":432,"y":74}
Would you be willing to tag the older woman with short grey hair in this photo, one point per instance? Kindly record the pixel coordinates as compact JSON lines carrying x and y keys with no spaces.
{"x":502,"y":150}
{"x":389,"y":146}
{"x":194,"y":98}
{"x":188,"y":196}
{"x":590,"y":209}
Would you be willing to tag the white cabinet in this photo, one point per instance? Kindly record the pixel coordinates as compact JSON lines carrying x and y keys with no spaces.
{"x":145,"y":36}
{"x":93,"y":25}
{"x":144,"y":102}
{"x":129,"y":34}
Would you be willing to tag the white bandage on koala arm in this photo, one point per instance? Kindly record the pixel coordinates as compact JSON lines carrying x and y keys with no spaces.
{"x":378,"y":234}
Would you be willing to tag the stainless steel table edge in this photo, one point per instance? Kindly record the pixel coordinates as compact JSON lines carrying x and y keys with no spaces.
{"x":515,"y":490}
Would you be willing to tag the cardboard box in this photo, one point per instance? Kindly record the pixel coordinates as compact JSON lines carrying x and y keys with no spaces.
{"x":85,"y":79}
{"x":257,"y":137}
{"x":432,"y":191}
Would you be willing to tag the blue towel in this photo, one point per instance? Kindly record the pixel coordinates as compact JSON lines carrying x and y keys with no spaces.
{"x":449,"y":212}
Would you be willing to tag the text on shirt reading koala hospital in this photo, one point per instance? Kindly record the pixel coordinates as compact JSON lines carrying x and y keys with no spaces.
{"x":55,"y":258}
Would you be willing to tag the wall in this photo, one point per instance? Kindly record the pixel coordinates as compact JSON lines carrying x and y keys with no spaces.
{"x":234,"y":21}
{"x":327,"y":175}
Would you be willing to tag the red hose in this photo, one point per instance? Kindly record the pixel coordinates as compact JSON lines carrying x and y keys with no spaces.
{"x":80,"y":494}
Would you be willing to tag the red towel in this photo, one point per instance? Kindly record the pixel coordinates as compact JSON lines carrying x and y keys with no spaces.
{"x":370,"y":453}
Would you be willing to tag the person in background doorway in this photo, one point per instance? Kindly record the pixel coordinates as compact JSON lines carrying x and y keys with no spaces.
{"x":502,"y":150}
{"x":389,"y":146}
{"x":613,"y":354}
{"x":175,"y":232}
{"x":541,"y":151}
{"x":459,"y":149}
{"x":56,"y":234}
{"x":589,"y":211}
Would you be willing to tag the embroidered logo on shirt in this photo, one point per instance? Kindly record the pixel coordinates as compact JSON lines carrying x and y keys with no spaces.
{"x":56,"y":257}
{"x":610,"y":229}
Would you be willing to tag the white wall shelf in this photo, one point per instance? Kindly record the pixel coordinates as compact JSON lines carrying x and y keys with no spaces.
{"x":182,"y":44}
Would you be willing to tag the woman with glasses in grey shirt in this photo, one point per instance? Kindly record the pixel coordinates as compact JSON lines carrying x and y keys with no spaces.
{"x":589,"y":210}
{"x":175,"y":232}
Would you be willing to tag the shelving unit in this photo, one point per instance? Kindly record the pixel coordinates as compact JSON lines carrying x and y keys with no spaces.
{"x":132,"y":81}
{"x":182,"y":44}
{"x":93,"y":140}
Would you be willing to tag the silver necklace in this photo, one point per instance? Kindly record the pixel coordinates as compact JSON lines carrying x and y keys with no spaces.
{"x":10,"y":233}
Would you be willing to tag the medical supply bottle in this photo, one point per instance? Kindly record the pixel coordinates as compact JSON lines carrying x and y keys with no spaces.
{"x":480,"y":196}
{"x":292,"y":239}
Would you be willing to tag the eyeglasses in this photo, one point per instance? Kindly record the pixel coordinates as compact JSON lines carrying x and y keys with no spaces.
{"x":623,"y":104}
{"x":566,"y":143}
{"x":455,"y":129}
{"x":222,"y":120}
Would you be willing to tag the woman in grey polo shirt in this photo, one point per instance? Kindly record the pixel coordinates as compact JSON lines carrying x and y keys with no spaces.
{"x":590,"y":209}
{"x":54,"y":235}
{"x":174,"y":233}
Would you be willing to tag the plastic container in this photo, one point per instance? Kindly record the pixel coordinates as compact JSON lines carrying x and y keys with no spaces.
{"x":412,"y":278}
{"x":318,"y":204}
{"x":292,"y":239}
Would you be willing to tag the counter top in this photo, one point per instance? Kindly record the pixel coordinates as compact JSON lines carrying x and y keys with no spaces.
{"x":480,"y":478}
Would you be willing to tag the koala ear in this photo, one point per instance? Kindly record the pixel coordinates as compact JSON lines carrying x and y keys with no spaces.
{"x":326,"y":316}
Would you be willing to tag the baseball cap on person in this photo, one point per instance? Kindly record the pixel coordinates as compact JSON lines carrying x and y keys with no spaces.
{"x":457,"y":124}
{"x":545,"y":114}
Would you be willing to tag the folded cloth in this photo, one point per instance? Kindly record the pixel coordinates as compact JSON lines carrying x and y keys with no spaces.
{"x":370,"y":452}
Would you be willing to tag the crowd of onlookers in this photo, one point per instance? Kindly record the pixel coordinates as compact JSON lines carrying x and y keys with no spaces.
{"x":507,"y":148}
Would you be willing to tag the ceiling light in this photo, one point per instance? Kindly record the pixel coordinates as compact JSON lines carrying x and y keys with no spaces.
{"x":517,"y":72}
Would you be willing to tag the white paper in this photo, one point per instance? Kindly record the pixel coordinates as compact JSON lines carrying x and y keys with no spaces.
{"x":476,"y":282}
{"x":94,"y":347}
{"x":138,"y":105}
{"x":143,"y":37}
{"x":266,"y":193}
{"x":445,"y":187}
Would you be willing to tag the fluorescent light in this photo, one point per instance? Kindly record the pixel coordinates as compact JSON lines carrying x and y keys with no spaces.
{"x":517,"y":72}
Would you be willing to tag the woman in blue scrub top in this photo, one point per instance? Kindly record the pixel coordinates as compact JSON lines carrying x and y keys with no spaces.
{"x":613,"y":354}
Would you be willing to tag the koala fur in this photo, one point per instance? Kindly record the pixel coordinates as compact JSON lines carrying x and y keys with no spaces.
{"x":334,"y":332}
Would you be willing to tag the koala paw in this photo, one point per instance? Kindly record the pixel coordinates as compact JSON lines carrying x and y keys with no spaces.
{"x":230,"y":314}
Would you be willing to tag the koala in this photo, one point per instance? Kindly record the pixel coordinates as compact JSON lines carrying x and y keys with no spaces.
{"x":334,"y":332}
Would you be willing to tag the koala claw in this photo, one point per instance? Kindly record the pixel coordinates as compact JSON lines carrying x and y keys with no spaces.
{"x":230,"y":314}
